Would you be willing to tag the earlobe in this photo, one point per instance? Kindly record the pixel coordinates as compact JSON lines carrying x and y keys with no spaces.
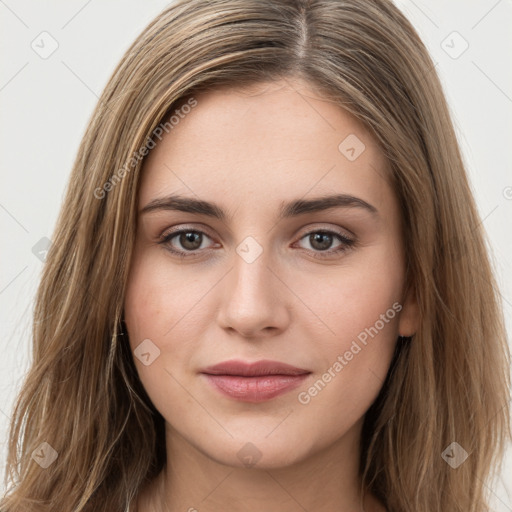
{"x":408,"y":322}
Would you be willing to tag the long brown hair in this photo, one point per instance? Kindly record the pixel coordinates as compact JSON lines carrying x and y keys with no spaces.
{"x":82,"y":395}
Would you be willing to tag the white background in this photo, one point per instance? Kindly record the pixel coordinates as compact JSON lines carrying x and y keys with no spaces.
{"x":46,"y":103}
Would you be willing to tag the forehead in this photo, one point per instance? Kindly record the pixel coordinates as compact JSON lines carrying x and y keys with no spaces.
{"x":278,"y":140}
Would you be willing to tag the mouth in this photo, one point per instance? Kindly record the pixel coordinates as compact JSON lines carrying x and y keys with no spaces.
{"x":254,"y":382}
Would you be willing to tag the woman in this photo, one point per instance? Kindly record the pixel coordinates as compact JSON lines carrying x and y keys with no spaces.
{"x":268,"y":288}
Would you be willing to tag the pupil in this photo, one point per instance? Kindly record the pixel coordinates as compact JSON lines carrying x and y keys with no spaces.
{"x":321,"y":241}
{"x":189,"y":240}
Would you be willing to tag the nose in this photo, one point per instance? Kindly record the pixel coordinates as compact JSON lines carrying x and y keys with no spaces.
{"x":254,"y":301}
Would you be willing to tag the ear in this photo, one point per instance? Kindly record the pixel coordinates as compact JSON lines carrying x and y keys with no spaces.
{"x":409,"y":321}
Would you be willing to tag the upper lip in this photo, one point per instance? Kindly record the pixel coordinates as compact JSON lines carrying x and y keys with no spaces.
{"x":248,"y":369}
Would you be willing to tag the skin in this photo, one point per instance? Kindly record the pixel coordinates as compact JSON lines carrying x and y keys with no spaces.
{"x":249,"y":150}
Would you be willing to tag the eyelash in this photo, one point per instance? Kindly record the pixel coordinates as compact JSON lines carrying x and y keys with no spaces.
{"x":346,"y":243}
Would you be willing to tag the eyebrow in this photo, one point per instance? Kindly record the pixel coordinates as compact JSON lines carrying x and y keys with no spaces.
{"x":291,"y":209}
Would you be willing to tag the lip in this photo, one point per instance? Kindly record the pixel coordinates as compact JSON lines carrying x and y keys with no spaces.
{"x":254,"y":382}
{"x":255,"y":369}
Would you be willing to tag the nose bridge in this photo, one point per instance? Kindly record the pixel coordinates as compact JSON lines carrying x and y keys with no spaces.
{"x":251,"y":301}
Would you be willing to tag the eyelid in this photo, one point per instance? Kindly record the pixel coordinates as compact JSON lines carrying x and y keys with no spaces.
{"x":184,"y":227}
{"x":313,"y":228}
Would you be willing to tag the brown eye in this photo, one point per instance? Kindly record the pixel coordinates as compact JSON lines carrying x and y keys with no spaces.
{"x":190,"y":240}
{"x":320,"y":241}
{"x":185,"y":242}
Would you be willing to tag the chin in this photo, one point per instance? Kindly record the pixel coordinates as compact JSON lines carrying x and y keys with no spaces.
{"x":251,"y":452}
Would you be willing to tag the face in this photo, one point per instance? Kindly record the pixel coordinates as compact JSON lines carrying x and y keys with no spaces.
{"x":281,"y":242}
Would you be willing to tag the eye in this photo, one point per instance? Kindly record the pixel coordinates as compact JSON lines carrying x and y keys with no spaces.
{"x":321,"y":241}
{"x":183,"y":241}
{"x":188,"y":242}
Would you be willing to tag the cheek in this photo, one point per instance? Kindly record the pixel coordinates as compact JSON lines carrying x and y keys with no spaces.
{"x":167,"y":308}
{"x":361,"y":307}
{"x":353,"y":371}
{"x":156,"y":309}
{"x":355,"y":296}
{"x":160,"y":302}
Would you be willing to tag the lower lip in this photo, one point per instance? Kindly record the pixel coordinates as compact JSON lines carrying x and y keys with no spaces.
{"x":255,"y":389}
